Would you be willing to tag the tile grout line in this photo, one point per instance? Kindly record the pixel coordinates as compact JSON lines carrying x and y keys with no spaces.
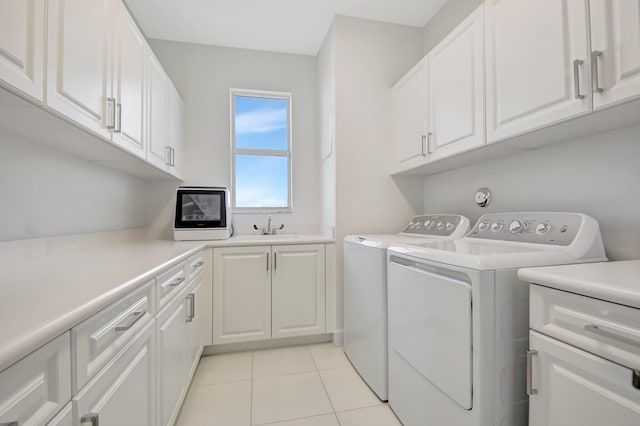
{"x":324,"y":387}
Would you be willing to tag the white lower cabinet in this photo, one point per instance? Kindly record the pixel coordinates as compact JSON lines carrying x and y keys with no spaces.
{"x":298,"y":290}
{"x":199,"y":318}
{"x":173,"y":358}
{"x":123,"y":393}
{"x":567,"y":380}
{"x":64,"y":417}
{"x":241,"y":294}
{"x":34,"y":389}
{"x":266,"y":292}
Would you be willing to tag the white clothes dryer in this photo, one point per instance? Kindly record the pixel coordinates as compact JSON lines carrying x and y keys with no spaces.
{"x":365,"y":291}
{"x":458,"y":316}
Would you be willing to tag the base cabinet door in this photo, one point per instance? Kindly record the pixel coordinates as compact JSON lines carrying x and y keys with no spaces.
{"x":22,"y":46}
{"x":124,"y":392}
{"x":574,"y":387}
{"x":173,"y":358}
{"x":78,"y":57}
{"x":456,"y":90}
{"x":198,"y":318}
{"x":615,"y":51}
{"x":537,"y":64}
{"x":409,"y":115}
{"x":298,"y":290}
{"x":241,"y":294}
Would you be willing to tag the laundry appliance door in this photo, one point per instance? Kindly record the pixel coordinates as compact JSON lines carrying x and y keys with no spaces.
{"x":430,"y":324}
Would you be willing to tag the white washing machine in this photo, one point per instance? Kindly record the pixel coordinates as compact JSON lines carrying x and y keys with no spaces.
{"x":458,"y":316}
{"x":365,"y":291}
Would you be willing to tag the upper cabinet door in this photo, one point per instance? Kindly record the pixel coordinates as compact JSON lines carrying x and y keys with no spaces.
{"x":157,"y":89}
{"x":456,"y":90}
{"x":175,"y":139}
{"x":78,"y":78}
{"x":615,"y":46}
{"x":409,"y":118}
{"x":537,"y":64}
{"x":129,"y":77}
{"x":22,"y":46}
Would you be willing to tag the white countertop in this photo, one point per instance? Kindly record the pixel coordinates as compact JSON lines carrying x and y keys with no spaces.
{"x":47,"y":286}
{"x":616,"y":282}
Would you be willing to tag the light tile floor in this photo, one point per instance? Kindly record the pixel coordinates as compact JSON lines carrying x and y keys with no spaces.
{"x":311,"y":385}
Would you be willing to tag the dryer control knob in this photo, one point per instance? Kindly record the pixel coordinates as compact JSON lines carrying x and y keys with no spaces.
{"x":542,"y":228}
{"x":483,"y":226}
{"x":517,"y":227}
{"x":496,"y":227}
{"x":440,"y":225}
{"x":449,"y":226}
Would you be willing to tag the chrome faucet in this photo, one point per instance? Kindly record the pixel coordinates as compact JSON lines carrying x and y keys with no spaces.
{"x":268,"y":230}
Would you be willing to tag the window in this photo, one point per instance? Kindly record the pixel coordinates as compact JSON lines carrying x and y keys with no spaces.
{"x":261,"y":150}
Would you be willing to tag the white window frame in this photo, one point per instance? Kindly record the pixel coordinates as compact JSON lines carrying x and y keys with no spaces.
{"x":264,"y":152}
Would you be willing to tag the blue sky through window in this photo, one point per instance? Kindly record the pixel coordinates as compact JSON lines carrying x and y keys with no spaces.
{"x":261,"y":181}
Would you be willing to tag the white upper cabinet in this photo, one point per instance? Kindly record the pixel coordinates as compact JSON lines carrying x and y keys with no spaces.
{"x":409,"y":118}
{"x":157,"y":90}
{"x":615,"y":50}
{"x":456,"y":90}
{"x":175,"y":120}
{"x":298,"y":290}
{"x":22,"y":46}
{"x":129,"y":78}
{"x":536,"y":63}
{"x":78,"y":51}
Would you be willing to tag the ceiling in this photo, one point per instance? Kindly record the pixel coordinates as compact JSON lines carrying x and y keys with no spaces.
{"x":289,"y":26}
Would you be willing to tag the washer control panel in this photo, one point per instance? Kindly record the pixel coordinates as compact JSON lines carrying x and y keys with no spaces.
{"x":441,"y":225}
{"x":558,"y":229}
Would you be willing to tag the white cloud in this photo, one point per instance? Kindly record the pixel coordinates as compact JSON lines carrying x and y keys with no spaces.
{"x":261,"y":121}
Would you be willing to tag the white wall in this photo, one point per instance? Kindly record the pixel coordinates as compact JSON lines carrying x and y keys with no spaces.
{"x":369,"y":58}
{"x":447,"y":18}
{"x":327,"y":119}
{"x":45,"y":193}
{"x":598,"y":175}
{"x":204,"y":75}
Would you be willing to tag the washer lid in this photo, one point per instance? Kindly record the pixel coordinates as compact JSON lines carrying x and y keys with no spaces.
{"x":382,"y":241}
{"x":486,"y":255}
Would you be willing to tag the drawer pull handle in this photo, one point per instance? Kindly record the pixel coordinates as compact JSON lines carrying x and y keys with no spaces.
{"x":530,"y":389}
{"x":611,"y":335}
{"x":176,"y":282}
{"x":197,"y":264}
{"x":137,"y":316}
{"x":191,"y":297}
{"x":9,"y":424}
{"x":635,"y":381}
{"x":92,"y":418}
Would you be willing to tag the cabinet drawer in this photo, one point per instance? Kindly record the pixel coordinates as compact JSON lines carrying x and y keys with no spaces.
{"x":34,"y":389}
{"x":96,"y":340}
{"x":195,"y":264}
{"x":603,"y":328}
{"x":171,"y":283}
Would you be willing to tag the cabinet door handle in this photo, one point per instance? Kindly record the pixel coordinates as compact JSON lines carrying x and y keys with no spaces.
{"x":197,"y":264}
{"x":136,"y":316}
{"x":167,"y":155}
{"x":118,"y":128}
{"x":191,"y":297}
{"x":592,"y":328}
{"x":424,"y":145}
{"x":111,"y":118}
{"x":530,"y":389}
{"x":172,"y":157}
{"x":594,"y":71}
{"x":429,"y":136}
{"x":275,"y":261}
{"x":267,"y":261}
{"x":10,"y":424}
{"x":93,"y":418}
{"x":576,"y":78}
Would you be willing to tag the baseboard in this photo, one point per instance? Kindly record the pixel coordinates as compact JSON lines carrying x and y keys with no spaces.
{"x":338,"y":338}
{"x":266,"y":344}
